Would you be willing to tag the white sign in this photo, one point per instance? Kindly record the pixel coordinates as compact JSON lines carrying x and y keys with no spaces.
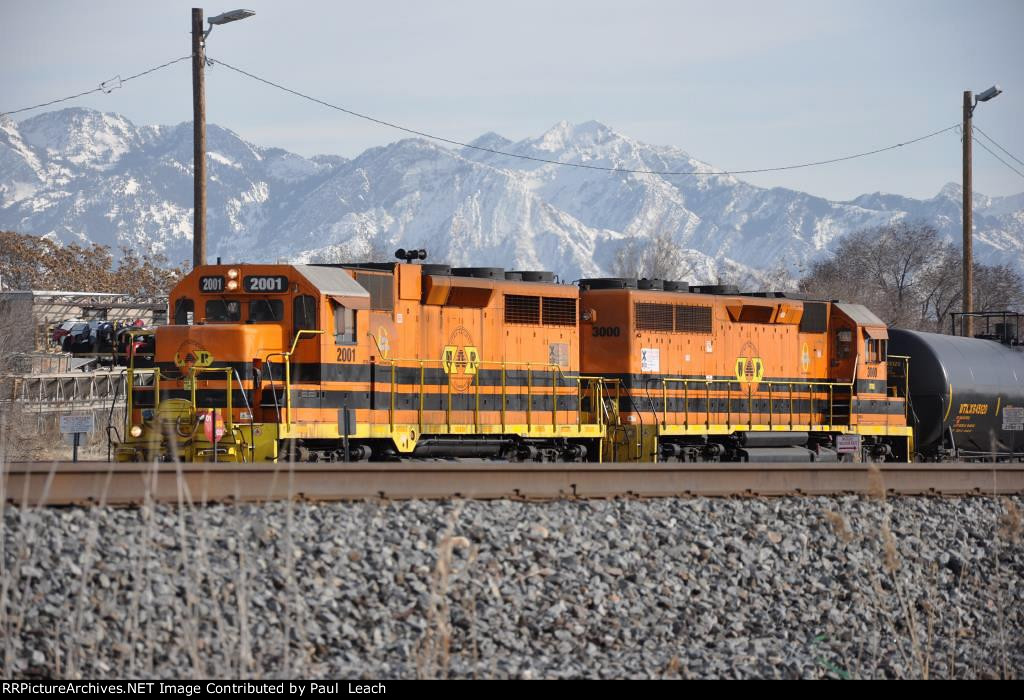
{"x":848,"y":443}
{"x":76,"y":424}
{"x":650,"y":360}
{"x":1013,"y":417}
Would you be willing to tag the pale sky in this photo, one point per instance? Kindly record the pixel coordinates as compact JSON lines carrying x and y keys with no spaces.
{"x":737,"y":84}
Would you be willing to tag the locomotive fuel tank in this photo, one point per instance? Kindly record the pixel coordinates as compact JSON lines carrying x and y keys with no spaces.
{"x":966,"y":393}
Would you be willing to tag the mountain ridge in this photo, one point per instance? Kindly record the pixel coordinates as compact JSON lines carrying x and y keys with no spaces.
{"x":80,"y":175}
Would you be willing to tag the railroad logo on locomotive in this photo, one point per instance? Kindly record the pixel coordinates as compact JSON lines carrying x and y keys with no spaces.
{"x":749,"y":365}
{"x":383,"y":342}
{"x":191,"y":354}
{"x":460,"y":359}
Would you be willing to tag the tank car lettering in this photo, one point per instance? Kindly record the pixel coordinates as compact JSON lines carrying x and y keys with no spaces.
{"x":974,"y":409}
{"x":266,"y":283}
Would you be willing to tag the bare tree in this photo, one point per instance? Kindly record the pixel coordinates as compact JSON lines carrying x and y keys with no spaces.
{"x":939,"y":291}
{"x":909,"y":276}
{"x":998,"y":288}
{"x":658,"y":258}
{"x":32,"y":262}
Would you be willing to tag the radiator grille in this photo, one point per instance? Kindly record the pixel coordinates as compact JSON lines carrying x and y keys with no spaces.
{"x":653,"y":317}
{"x":559,"y":311}
{"x":693,"y":319}
{"x":522,"y":309}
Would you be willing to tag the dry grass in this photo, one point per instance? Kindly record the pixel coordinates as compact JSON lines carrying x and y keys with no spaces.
{"x":1010,"y":522}
{"x":31,"y":436}
{"x":433,"y":653}
{"x":840,"y":526}
{"x":915,"y":625}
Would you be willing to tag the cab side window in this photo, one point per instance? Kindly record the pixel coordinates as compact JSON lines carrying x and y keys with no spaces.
{"x":304,"y":313}
{"x":344,"y":325}
{"x":184,"y":312}
{"x":876,"y":350}
{"x":844,"y":343}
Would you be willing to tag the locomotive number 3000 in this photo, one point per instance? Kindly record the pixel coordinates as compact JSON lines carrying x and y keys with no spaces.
{"x":606,"y":332}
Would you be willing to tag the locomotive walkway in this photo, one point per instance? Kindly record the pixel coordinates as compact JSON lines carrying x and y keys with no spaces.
{"x":129,"y":483}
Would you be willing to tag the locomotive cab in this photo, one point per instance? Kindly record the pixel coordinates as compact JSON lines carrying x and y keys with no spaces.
{"x":239,"y":334}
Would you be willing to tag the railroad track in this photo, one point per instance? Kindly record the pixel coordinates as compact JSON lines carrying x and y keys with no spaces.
{"x":121,"y":484}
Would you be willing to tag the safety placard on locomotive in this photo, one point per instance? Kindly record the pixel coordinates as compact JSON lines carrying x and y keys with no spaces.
{"x":650,"y":359}
{"x":272,"y":284}
{"x":211,"y":285}
{"x":847,"y":444}
{"x":1013,"y":417}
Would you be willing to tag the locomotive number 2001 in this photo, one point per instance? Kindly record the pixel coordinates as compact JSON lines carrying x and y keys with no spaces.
{"x":209,"y":285}
{"x":346,"y":354}
{"x":270,"y":283}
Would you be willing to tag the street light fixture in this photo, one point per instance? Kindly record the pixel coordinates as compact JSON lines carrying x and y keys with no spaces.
{"x":232,"y":16}
{"x":993,"y":91}
{"x":199,"y":123}
{"x":970,"y":102}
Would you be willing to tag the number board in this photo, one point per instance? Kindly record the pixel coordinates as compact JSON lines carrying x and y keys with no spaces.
{"x":211,"y":285}
{"x":263,"y":284}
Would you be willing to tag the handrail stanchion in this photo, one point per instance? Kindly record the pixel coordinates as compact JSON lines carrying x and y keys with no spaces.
{"x":707,"y":404}
{"x":529,"y":398}
{"x":391,"y":406}
{"x":419,"y":416}
{"x":664,"y":397}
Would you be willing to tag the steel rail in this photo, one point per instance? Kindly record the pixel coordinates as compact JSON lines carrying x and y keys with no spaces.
{"x":130,"y":483}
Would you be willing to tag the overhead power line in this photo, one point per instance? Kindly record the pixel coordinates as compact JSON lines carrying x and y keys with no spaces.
{"x":996,"y":156}
{"x":585,"y":166}
{"x":107,"y":86}
{"x":996,"y":144}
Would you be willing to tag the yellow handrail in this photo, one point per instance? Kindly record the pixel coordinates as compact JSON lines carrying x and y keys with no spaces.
{"x":829,"y":387}
{"x":288,"y":372}
{"x":557,"y":376}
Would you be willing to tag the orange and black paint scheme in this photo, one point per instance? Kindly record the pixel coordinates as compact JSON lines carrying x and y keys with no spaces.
{"x":388,"y":361}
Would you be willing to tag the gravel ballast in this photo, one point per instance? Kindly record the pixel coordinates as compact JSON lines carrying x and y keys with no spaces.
{"x":786,"y":587}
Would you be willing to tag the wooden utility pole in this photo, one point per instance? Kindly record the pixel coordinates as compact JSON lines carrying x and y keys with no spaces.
{"x":198,"y":139}
{"x":967,"y":324}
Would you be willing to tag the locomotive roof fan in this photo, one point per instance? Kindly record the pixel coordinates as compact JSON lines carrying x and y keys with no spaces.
{"x":410,"y":255}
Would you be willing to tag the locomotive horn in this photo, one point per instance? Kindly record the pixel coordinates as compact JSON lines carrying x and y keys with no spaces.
{"x":410,"y":255}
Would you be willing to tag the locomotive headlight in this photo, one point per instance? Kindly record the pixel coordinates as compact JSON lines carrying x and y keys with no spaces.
{"x":136,"y":431}
{"x":232,"y":285}
{"x":232,"y":274}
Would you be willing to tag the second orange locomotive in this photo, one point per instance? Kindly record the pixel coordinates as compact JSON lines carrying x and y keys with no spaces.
{"x":386,"y":361}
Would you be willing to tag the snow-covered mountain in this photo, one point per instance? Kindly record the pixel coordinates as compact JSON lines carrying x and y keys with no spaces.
{"x":82,"y":175}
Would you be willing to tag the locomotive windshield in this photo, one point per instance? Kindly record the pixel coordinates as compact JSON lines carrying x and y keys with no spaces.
{"x":223,"y":311}
{"x":266,"y":311}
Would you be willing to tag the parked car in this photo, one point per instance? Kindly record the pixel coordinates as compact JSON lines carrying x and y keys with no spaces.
{"x":62,"y":329}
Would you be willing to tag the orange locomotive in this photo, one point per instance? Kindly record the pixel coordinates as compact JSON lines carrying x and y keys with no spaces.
{"x":707,"y":373}
{"x":385,"y":361}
